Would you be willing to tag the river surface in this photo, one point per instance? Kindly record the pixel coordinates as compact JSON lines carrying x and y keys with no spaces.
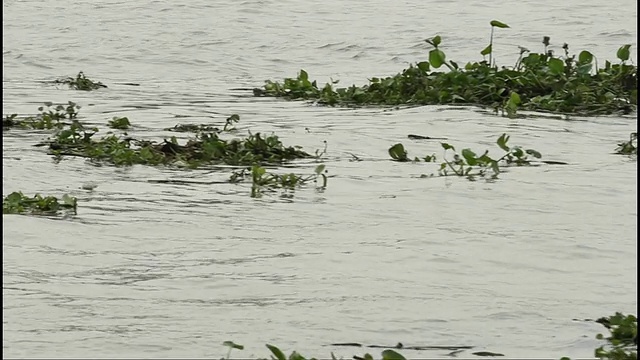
{"x":381,"y":256}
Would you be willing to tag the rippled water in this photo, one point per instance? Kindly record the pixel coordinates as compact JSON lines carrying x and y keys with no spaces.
{"x":163,"y":270}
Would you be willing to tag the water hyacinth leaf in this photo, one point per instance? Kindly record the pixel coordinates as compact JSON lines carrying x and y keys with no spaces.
{"x":514,"y":98}
{"x":436,"y":40}
{"x":296,"y":356}
{"x":233,"y":345}
{"x":436,"y":58}
{"x":495,"y":167}
{"x":424,"y":66}
{"x":319,"y":169}
{"x":392,"y":355}
{"x":276,"y":352}
{"x":623,"y":53}
{"x":486,"y":51}
{"x":447,"y":146}
{"x":556,"y":66}
{"x":469,"y":156}
{"x":502,"y":142}
{"x":68,"y":200}
{"x":303,"y":76}
{"x":534,"y":153}
{"x":585,"y":57}
{"x":398,"y":153}
{"x":499,"y":24}
{"x":368,"y":356}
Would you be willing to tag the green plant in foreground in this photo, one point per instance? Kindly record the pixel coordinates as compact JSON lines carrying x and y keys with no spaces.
{"x":468,"y":163}
{"x":629,"y":147}
{"x":81,"y":82}
{"x":18,"y":203}
{"x":537,"y":82}
{"x":622,"y":342}
{"x":49,"y":117}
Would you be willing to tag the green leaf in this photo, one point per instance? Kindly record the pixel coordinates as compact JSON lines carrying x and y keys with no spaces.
{"x":436,"y":58}
{"x":447,"y":146}
{"x":585,"y":57}
{"x":368,"y":356}
{"x":486,"y":51}
{"x":502,"y":142}
{"x":534,"y":153}
{"x":319,"y":169}
{"x":233,"y":345}
{"x":398,"y":153}
{"x":296,"y":356}
{"x":623,"y":52}
{"x":276,"y":352}
{"x":68,"y":200}
{"x":469,"y":156}
{"x":514,"y":98}
{"x":499,"y":24}
{"x":303,"y":76}
{"x":556,"y":66}
{"x":392,"y":355}
{"x":424,"y":66}
{"x":436,"y":40}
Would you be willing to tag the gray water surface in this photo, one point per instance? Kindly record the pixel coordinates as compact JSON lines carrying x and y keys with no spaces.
{"x":381,"y":256}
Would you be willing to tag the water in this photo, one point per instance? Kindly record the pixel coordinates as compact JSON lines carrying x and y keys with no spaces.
{"x":382,"y":256}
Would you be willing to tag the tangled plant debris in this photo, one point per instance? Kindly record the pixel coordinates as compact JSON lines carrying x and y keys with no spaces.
{"x":81,"y":82}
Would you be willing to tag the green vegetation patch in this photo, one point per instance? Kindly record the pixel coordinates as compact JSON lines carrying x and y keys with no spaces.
{"x":571,"y":84}
{"x":205,"y":148}
{"x":469,"y":164}
{"x":81,"y":82}
{"x":50,"y":117}
{"x":18,"y":203}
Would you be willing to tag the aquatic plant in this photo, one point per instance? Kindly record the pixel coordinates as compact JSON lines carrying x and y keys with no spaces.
{"x":81,"y":82}
{"x":261,"y":179}
{"x":537,"y":82}
{"x":205,"y":148}
{"x":629,"y":147}
{"x":121,"y":123}
{"x":622,"y":342}
{"x":49,"y":117}
{"x":18,"y":203}
{"x":228,"y":126}
{"x":468,"y":163}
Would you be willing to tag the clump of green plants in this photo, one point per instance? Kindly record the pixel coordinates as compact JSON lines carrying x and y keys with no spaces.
{"x":120,"y":123}
{"x":622,"y":342}
{"x":570,"y":84}
{"x":18,"y":203}
{"x":204,"y":149}
{"x":50,"y":117}
{"x":277,"y":354}
{"x":468,"y":163}
{"x":629,"y":147}
{"x":81,"y":82}
{"x":261,"y":180}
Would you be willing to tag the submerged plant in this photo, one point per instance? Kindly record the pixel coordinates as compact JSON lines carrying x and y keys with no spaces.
{"x":537,"y":82}
{"x":18,"y":203}
{"x":629,"y":147}
{"x":81,"y":82}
